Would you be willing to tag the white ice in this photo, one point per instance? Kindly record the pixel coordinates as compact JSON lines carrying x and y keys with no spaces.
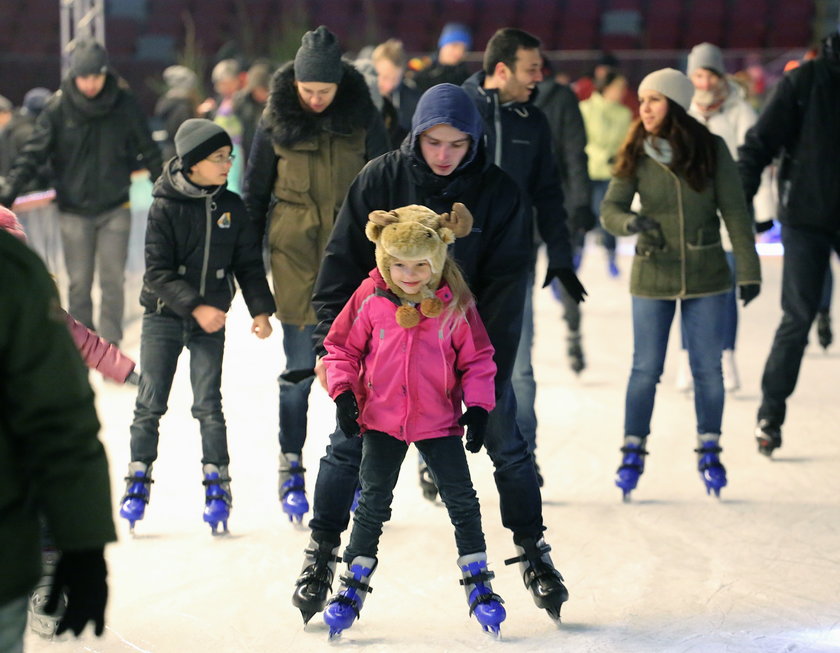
{"x":674,"y":570}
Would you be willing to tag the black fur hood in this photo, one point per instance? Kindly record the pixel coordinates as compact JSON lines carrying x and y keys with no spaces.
{"x":289,"y":123}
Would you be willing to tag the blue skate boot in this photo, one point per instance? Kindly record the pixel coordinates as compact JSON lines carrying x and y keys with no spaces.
{"x":217,"y":497}
{"x":137,"y":491}
{"x":632,"y":465}
{"x":344,"y":608}
{"x":293,"y":487}
{"x":355,"y":505}
{"x":540,"y":576}
{"x":712,"y":472}
{"x":483,"y":602}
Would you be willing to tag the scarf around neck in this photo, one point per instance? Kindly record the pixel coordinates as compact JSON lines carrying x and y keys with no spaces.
{"x":659,"y":149}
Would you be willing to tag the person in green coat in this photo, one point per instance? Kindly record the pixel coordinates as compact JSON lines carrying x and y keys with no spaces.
{"x":686,"y":180}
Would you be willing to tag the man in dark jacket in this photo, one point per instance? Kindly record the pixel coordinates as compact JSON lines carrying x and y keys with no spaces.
{"x":799,"y":123}
{"x":95,"y":135}
{"x":447,"y":66}
{"x":520,"y":142}
{"x":441,"y":162}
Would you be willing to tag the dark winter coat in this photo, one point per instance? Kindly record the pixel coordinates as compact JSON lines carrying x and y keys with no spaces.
{"x":51,"y":461}
{"x":519,"y":141}
{"x":300,"y":167}
{"x":249,"y":112}
{"x":438,"y":73}
{"x":170,"y":112}
{"x":12,"y":140}
{"x":197,"y":241}
{"x":799,"y":123}
{"x":93,"y":144}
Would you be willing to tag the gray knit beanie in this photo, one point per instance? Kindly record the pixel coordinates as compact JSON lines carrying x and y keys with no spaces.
{"x":198,"y":138}
{"x":180,"y":78}
{"x":672,"y":84}
{"x":319,"y":58}
{"x":708,"y":56}
{"x":88,"y":58}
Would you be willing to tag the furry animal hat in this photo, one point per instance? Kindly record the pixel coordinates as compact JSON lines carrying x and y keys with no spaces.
{"x":416,"y":233}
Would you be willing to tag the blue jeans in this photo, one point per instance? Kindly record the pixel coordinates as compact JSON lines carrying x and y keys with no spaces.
{"x":382,"y":456}
{"x":807,"y":255}
{"x":161,"y":341}
{"x":516,"y":479}
{"x":294,"y":397}
{"x":729,"y":323}
{"x":12,"y":625}
{"x":524,"y":385}
{"x":652,"y":318}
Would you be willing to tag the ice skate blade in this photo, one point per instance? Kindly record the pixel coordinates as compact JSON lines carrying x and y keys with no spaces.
{"x":335,"y":634}
{"x":493,"y":632}
{"x":216,"y":532}
{"x":307,"y":615}
{"x":625,"y":496}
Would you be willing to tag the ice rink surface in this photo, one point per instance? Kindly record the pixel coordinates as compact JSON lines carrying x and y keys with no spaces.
{"x":674,"y":570}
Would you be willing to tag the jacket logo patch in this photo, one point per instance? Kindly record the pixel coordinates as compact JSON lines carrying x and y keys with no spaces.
{"x":224,"y":221}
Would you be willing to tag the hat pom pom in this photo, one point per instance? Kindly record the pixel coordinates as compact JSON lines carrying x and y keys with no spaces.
{"x":431,"y":307}
{"x":407,"y":317}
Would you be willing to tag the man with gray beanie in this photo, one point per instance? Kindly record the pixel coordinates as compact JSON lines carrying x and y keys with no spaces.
{"x":95,"y":135}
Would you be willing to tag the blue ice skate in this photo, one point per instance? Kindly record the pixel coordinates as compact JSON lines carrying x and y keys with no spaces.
{"x":484,"y":604}
{"x":217,"y":497}
{"x":631,"y":468}
{"x":344,"y":608}
{"x":712,"y":472}
{"x":137,"y":492}
{"x":293,"y":487}
{"x":355,"y":505}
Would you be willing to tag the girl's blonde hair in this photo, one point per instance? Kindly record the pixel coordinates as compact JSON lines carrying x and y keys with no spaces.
{"x":462,"y":297}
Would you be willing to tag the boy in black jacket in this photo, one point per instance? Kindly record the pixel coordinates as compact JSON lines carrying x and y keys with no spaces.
{"x":198,"y":238}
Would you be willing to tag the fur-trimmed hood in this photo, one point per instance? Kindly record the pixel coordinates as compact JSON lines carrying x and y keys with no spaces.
{"x":289,"y":123}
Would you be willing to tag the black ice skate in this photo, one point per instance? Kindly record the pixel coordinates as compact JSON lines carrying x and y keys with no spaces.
{"x":540,"y":577}
{"x":43,"y":624}
{"x":768,"y":436}
{"x":316,"y":578}
{"x":824,"y":334}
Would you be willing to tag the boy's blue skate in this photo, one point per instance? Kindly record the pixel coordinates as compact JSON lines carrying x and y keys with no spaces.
{"x":355,"y":505}
{"x":631,"y":468}
{"x":137,"y":492}
{"x":484,"y":603}
{"x":712,"y":472}
{"x":343,"y":608}
{"x":293,"y":487}
{"x":217,"y":497}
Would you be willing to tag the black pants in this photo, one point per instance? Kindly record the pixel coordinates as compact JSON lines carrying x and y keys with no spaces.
{"x":382,"y":456}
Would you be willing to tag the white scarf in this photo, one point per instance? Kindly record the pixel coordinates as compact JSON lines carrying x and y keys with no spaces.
{"x":659,"y":149}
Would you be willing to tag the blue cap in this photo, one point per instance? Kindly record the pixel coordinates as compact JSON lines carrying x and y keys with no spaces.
{"x":455,"y":33}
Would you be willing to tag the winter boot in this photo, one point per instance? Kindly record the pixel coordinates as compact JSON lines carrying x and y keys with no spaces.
{"x":427,"y":483}
{"x":292,"y":487}
{"x":824,"y":334}
{"x":483,"y":602}
{"x":768,"y":436}
{"x":712,"y":472}
{"x":138,"y":485}
{"x":539,"y":575}
{"x":685,"y":381}
{"x":217,"y":497}
{"x":632,"y":464}
{"x":575,"y":352}
{"x":316,"y":577}
{"x":40,"y":622}
{"x":731,"y":380}
{"x":344,"y":608}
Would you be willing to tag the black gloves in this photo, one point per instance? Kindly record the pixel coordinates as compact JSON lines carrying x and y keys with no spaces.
{"x":764,"y":225}
{"x":582,"y":220}
{"x":748,"y":292}
{"x":81,"y":576}
{"x":8,"y":195}
{"x":475,"y":419}
{"x":642,"y":223}
{"x":347,"y":410}
{"x":570,"y":282}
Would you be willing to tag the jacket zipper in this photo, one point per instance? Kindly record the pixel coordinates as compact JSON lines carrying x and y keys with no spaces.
{"x":209,"y":204}
{"x":443,"y":363}
{"x":683,"y":290}
{"x":497,"y":124}
{"x":409,"y":346}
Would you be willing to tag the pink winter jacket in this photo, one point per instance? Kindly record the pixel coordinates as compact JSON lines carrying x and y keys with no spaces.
{"x":409,"y":383}
{"x":98,"y":353}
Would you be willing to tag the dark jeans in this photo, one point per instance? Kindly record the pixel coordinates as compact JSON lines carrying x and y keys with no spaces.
{"x":729,"y":322}
{"x":382,"y":456}
{"x":807,"y":255}
{"x":161,"y":341}
{"x":294,"y":397}
{"x":516,"y":480}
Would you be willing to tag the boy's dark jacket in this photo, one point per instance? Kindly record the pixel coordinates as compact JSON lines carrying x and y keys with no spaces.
{"x":197,"y":240}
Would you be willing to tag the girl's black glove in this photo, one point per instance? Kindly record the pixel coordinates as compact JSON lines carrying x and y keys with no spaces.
{"x":347,"y":410}
{"x":81,"y":576}
{"x":475,"y":419}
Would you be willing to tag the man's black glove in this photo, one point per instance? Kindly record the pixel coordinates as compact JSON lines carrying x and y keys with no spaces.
{"x":8,"y":195}
{"x":347,"y":410}
{"x":642,"y":223}
{"x":764,"y":225}
{"x":475,"y":419}
{"x":748,"y":292}
{"x":80,"y":575}
{"x":571,"y":284}
{"x":582,"y":219}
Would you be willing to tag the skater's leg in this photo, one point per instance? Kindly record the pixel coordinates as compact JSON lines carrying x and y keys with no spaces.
{"x":702,"y":324}
{"x":294,"y":397}
{"x":112,"y":232}
{"x":338,"y":476}
{"x":12,"y":625}
{"x":524,"y":386}
{"x":78,"y":239}
{"x":206,"y":354}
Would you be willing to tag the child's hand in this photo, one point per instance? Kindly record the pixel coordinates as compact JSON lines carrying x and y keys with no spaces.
{"x":347,"y":411}
{"x":475,"y":419}
{"x":209,"y":318}
{"x":261,"y":327}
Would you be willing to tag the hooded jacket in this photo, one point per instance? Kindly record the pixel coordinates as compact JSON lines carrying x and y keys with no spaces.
{"x":197,"y":240}
{"x":409,"y":382}
{"x":519,"y":141}
{"x":300,"y":167}
{"x":93,"y":144}
{"x":495,"y":257}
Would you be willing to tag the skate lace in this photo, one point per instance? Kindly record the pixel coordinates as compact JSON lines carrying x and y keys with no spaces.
{"x":538,"y":569}
{"x":319,"y":571}
{"x":710,"y":457}
{"x":485,"y":596}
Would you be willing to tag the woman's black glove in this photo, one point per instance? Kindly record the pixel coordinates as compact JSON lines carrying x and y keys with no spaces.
{"x":80,"y":575}
{"x":347,"y":410}
{"x":642,"y":223}
{"x":475,"y":419}
{"x":748,"y":292}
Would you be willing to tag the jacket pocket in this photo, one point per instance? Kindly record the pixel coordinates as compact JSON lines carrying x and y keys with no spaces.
{"x":293,"y":174}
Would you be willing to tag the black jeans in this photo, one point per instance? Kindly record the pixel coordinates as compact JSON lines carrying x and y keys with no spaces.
{"x":382,"y":456}
{"x":516,"y":479}
{"x":807,"y":254}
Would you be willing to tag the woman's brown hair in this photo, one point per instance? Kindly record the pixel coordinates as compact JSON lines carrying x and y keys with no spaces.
{"x":694,"y":157}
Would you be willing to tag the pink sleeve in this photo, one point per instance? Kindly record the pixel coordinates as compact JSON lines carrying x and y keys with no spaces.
{"x":474,"y":357}
{"x":98,"y":353}
{"x":347,"y":342}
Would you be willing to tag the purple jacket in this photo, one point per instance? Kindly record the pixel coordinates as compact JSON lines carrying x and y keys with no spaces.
{"x":409,"y":382}
{"x":98,"y":353}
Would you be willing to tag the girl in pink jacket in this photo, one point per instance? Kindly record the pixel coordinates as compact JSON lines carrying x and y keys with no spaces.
{"x":403,"y":355}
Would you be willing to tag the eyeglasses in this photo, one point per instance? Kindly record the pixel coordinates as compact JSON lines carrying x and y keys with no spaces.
{"x":221,"y":159}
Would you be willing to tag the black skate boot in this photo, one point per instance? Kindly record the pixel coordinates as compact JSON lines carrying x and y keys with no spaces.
{"x":41,"y":623}
{"x":768,"y":436}
{"x":824,"y":334}
{"x":427,"y":483}
{"x":574,"y":351}
{"x":539,"y":575}
{"x":316,"y":577}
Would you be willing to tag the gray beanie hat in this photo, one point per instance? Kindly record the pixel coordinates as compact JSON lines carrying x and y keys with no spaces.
{"x":319,"y":58}
{"x":198,"y":138}
{"x":180,"y":77}
{"x":708,"y":56}
{"x":88,"y":58}
{"x":672,"y":84}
